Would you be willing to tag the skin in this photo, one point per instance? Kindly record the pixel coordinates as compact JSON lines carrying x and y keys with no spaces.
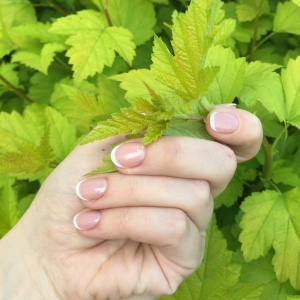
{"x":151,"y":233}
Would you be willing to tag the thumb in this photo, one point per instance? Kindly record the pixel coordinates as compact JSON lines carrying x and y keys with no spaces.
{"x":237,"y":128}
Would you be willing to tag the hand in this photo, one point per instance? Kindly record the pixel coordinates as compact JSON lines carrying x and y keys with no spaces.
{"x":142,"y":229}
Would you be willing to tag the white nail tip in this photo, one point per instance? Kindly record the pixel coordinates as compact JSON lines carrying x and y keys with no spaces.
{"x":113,"y":157}
{"x":75,"y":222}
{"x":212,"y":121}
{"x":231,"y":104}
{"x":78,"y":192}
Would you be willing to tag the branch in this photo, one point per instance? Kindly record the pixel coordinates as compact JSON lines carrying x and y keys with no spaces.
{"x":16,"y":90}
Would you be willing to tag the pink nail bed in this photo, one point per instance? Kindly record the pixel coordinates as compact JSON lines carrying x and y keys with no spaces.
{"x":86,"y":220}
{"x":128,"y":155}
{"x":91,"y":188}
{"x":223,"y":122}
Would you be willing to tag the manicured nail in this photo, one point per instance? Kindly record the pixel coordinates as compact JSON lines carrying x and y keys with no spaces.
{"x":91,"y":188}
{"x":86,"y":220}
{"x":128,"y":155}
{"x":223,"y":122}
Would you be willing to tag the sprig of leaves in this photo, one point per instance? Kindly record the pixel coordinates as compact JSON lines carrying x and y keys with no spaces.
{"x":69,"y":66}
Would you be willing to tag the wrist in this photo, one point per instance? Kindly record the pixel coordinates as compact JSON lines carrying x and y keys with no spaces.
{"x":23,"y":273}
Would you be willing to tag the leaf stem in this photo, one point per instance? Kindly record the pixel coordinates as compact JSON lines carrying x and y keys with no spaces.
{"x":264,"y":40}
{"x":255,"y":31}
{"x":16,"y":90}
{"x":268,"y":158}
{"x":57,"y":7}
{"x":63,"y":64}
{"x":283,"y":131}
{"x":105,"y":11}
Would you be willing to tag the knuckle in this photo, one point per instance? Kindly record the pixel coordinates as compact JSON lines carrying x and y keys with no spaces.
{"x":199,"y":197}
{"x":178,"y":226}
{"x":229,"y":164}
{"x":124,"y":218}
{"x":200,"y":193}
{"x":132,"y":186}
{"x":170,"y":150}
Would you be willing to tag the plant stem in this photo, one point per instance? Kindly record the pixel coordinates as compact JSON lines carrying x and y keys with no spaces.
{"x":63,"y":65}
{"x":57,"y":7}
{"x":16,"y":90}
{"x":256,"y":21}
{"x":283,"y":131}
{"x":105,"y":11}
{"x":264,"y":40}
{"x":268,"y":158}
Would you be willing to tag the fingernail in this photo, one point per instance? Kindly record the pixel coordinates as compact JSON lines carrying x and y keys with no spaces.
{"x":223,"y":122}
{"x":86,"y":220}
{"x":128,"y":155}
{"x":91,"y":188}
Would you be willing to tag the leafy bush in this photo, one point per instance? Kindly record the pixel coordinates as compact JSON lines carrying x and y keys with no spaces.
{"x":68,"y":65}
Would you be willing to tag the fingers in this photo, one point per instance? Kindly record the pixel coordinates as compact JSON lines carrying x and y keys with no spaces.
{"x":180,"y":157}
{"x":169,"y":228}
{"x":237,"y":128}
{"x":116,"y":190}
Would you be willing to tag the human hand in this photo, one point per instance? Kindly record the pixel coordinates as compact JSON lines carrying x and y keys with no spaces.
{"x":143,"y":234}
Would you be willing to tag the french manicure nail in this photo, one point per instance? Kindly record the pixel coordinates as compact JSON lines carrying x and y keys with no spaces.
{"x":86,"y":220}
{"x":223,"y":122}
{"x":91,"y":188}
{"x":128,"y":155}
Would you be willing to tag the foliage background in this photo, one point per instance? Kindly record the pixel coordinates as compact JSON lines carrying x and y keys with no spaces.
{"x":56,"y":84}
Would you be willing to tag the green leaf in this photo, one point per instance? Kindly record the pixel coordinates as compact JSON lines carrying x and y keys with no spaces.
{"x":61,"y":102}
{"x":8,"y":72}
{"x":137,"y":16}
{"x":229,"y":80}
{"x":187,"y":127}
{"x":161,"y":1}
{"x":107,"y":166}
{"x":83,"y":100}
{"x":42,"y":85}
{"x":282,"y":174}
{"x":291,"y":87}
{"x":16,"y":12}
{"x":247,"y":10}
{"x":82,"y":21}
{"x":128,"y":121}
{"x":193,"y":33}
{"x":261,"y":272}
{"x":93,"y":49}
{"x":111,"y":97}
{"x":135,"y":83}
{"x":9,"y":213}
{"x":271,"y":220}
{"x":28,"y":162}
{"x":210,"y":282}
{"x":93,"y":44}
{"x":39,"y":31}
{"x":13,"y":13}
{"x":262,"y":84}
{"x":16,"y":130}
{"x":24,"y":204}
{"x":231,"y":194}
{"x":39,"y":59}
{"x":62,"y":134}
{"x":287,"y":18}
